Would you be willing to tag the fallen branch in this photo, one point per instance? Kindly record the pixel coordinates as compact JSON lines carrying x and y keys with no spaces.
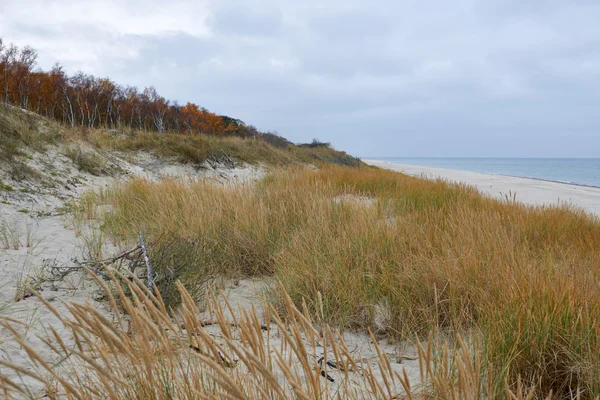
{"x":324,"y":373}
{"x":212,"y":160}
{"x":61,"y":272}
{"x":210,"y":322}
{"x":230,"y":163}
{"x":223,"y":158}
{"x":109,"y":260}
{"x":223,"y":360}
{"x":148,"y":264}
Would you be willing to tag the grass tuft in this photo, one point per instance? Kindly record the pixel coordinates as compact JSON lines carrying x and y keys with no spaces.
{"x":87,"y":160}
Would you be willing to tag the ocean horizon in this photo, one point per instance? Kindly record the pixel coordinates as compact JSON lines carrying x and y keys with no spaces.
{"x":578,"y":171}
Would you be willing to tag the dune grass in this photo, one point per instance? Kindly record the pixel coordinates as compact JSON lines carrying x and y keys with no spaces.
{"x":197,"y":148}
{"x":148,"y":352}
{"x":398,"y":255}
{"x":21,"y":129}
{"x":86,"y":160}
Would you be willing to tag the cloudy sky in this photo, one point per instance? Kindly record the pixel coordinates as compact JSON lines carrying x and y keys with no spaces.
{"x":377,"y":78}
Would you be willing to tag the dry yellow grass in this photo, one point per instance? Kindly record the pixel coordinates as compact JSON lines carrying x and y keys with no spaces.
{"x":149,"y":353}
{"x":429,"y":256}
{"x":196,"y":148}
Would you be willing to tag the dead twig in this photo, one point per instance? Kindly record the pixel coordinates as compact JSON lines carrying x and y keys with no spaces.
{"x":223,"y":158}
{"x":61,"y":271}
{"x":149,"y":273}
{"x":110,"y":260}
{"x":324,"y":374}
{"x":210,"y":322}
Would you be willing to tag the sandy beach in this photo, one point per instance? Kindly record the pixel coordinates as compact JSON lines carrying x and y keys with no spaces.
{"x":528,"y":191}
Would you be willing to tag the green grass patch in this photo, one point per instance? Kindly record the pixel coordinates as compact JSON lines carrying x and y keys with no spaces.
{"x":6,"y":188}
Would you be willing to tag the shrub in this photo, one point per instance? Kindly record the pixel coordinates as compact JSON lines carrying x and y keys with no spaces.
{"x":315,"y":143}
{"x":87,"y":160}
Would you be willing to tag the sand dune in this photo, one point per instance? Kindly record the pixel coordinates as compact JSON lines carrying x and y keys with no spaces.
{"x":528,"y":191}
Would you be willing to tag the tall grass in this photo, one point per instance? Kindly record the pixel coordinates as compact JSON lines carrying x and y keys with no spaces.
{"x":428,"y":256}
{"x":149,"y":353}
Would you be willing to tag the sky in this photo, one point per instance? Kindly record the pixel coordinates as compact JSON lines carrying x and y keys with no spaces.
{"x":422,"y":78}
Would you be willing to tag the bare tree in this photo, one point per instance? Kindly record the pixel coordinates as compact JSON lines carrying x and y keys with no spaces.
{"x":158,"y":108}
{"x":7,"y":60}
{"x":24,"y":67}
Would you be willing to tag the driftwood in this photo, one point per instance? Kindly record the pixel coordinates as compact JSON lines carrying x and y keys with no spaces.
{"x":223,"y":158}
{"x":110,"y":260}
{"x":329,"y":364}
{"x":149,"y":273}
{"x":136,"y":260}
{"x":210,"y":322}
{"x":223,"y":360}
{"x":227,"y":160}
{"x":61,"y":271}
{"x":212,"y":161}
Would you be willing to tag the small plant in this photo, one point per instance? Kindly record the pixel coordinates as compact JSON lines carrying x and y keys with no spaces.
{"x":4,"y":237}
{"x":32,"y":240}
{"x":10,"y":235}
{"x":29,"y":279}
{"x":93,"y":241}
{"x":6,"y":188}
{"x":74,"y":215}
{"x":20,"y":171}
{"x":24,"y":210}
{"x":87,"y":160}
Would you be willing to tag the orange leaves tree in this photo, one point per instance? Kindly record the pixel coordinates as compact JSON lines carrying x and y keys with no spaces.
{"x":92,"y":102}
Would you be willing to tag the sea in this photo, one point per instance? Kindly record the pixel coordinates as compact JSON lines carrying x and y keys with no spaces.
{"x":579,"y":171}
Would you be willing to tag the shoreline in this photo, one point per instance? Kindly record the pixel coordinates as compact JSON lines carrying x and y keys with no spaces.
{"x":370,"y":161}
{"x":532,"y":191}
{"x":543,"y":180}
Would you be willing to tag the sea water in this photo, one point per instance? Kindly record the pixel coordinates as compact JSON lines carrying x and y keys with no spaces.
{"x":580,"y":171}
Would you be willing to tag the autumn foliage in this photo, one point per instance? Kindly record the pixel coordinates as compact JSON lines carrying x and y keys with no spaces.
{"x":91,"y":102}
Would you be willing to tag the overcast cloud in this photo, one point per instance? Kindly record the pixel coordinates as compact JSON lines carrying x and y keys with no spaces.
{"x":381,"y":78}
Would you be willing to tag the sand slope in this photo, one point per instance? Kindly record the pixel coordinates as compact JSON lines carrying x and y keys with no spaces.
{"x":528,"y":191}
{"x":39,"y":243}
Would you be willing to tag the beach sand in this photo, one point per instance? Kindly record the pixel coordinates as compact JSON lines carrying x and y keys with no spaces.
{"x":528,"y":191}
